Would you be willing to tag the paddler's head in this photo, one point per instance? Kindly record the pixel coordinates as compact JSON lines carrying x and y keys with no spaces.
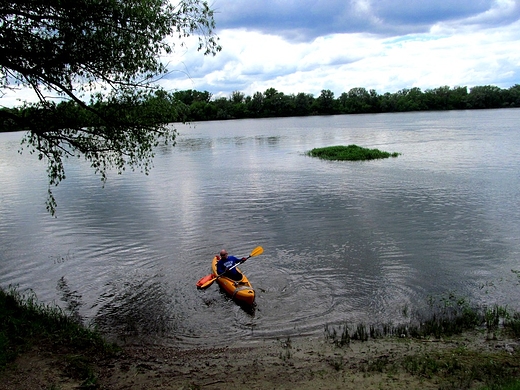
{"x":223,"y":253}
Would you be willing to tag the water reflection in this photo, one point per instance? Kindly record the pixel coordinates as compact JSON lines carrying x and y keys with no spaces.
{"x":270,"y":140}
{"x":194,"y":144}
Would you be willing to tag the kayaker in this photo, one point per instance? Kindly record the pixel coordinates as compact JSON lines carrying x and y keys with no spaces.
{"x":226,"y":262}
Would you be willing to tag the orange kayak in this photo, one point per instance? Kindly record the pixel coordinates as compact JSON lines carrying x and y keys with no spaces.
{"x":241,"y":291}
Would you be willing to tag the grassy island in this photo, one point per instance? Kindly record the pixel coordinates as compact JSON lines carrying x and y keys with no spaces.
{"x":350,"y":152}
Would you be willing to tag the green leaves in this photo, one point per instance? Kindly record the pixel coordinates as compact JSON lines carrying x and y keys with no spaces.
{"x":107,"y":51}
{"x":113,"y":131}
{"x":57,"y":43}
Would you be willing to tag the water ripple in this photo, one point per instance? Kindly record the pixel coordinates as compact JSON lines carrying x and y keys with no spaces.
{"x":343,"y":242}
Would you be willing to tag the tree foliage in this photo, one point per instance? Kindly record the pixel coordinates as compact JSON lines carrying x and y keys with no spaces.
{"x":274,"y":103}
{"x":101,"y":57}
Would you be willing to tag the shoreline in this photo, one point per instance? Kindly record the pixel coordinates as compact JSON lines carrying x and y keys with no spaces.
{"x":303,"y":363}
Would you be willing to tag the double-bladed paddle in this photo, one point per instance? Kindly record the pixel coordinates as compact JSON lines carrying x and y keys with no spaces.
{"x":208,"y":280}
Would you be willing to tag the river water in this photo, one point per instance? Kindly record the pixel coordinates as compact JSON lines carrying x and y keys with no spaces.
{"x":343,"y":241}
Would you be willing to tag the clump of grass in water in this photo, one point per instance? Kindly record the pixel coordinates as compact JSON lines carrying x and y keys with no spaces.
{"x":286,"y":346}
{"x":360,"y":333}
{"x":332,"y":334}
{"x":446,"y":316}
{"x":512,"y":325}
{"x":23,"y":321}
{"x":350,"y":152}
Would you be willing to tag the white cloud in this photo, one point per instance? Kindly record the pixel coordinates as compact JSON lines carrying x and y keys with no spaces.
{"x":386,"y":45}
{"x":445,"y":55}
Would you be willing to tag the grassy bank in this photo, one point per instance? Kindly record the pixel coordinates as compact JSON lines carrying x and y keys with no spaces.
{"x":350,"y":153}
{"x":25,"y":323}
{"x":457,"y":367}
{"x":451,"y":345}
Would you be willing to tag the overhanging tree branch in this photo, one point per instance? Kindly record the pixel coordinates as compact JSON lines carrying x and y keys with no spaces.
{"x":101,"y":56}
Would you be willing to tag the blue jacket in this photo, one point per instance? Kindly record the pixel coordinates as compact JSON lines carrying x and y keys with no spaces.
{"x":224,"y":264}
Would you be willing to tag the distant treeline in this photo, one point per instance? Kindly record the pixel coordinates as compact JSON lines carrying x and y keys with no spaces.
{"x":191,"y":105}
{"x":273,"y":103}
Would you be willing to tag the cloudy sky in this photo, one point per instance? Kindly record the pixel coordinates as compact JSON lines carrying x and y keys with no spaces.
{"x":387,"y":45}
{"x":311,"y":45}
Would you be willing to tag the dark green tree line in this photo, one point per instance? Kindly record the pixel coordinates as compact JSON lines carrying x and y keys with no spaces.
{"x":191,"y":105}
{"x":273,"y":103}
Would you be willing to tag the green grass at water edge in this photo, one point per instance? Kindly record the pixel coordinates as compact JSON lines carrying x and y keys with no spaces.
{"x":447,"y":316}
{"x":350,"y":153}
{"x":452,"y":368}
{"x":25,"y":322}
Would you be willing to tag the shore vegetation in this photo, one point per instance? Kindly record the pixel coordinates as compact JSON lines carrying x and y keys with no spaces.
{"x":26,"y":323}
{"x":450,"y":345}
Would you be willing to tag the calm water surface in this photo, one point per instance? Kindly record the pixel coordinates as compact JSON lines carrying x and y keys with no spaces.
{"x":354,"y":241}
